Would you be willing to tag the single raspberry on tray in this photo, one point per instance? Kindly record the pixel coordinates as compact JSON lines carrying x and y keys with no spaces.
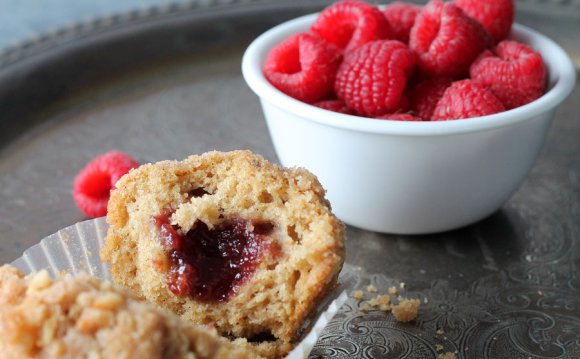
{"x":466,"y":99}
{"x":401,"y":16}
{"x":350,"y":24}
{"x":446,"y":40}
{"x":400,"y":117}
{"x":303,"y":67}
{"x":335,"y":106}
{"x":427,"y":94}
{"x":514,"y":73}
{"x":92,"y":186}
{"x":497,"y":16}
{"x":372,"y":78}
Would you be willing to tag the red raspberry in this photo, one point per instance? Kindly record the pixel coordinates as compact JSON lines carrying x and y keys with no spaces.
{"x":514,"y":73}
{"x":427,"y":94}
{"x":400,"y":117}
{"x":372,"y":78}
{"x":336,"y":106}
{"x":350,"y":24}
{"x":401,"y":16}
{"x":446,"y":40}
{"x":303,"y":67}
{"x":92,"y":186}
{"x":496,"y":16}
{"x":404,"y":103}
{"x":465,"y":99}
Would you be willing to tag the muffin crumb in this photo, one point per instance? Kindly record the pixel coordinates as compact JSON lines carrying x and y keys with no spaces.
{"x":406,"y":310}
{"x":374,"y":302}
{"x":372,"y":289}
{"x":384,"y":299}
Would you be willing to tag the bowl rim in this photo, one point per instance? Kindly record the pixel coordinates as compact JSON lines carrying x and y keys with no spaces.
{"x":561,"y":78}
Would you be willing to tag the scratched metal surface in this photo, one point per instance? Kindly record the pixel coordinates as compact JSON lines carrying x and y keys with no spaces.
{"x":164,"y":84}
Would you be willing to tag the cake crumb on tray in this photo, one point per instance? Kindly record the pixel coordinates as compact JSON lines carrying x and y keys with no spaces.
{"x":406,"y":310}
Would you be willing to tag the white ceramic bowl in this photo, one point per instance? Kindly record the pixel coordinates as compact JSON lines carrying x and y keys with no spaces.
{"x":410,"y":177}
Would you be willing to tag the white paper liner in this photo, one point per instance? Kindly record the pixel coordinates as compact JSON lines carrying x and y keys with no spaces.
{"x":75,"y":249}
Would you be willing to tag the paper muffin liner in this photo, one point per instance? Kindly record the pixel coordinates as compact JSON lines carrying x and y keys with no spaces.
{"x":75,"y":249}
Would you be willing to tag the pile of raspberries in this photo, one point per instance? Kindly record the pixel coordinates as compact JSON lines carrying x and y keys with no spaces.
{"x":441,"y":61}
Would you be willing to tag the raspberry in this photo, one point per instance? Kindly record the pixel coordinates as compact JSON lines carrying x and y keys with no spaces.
{"x":400,"y":117}
{"x":350,"y":24}
{"x":372,"y":78}
{"x":514,"y":73}
{"x":426,"y":95}
{"x":446,"y":40}
{"x":465,"y":99}
{"x":401,"y":17}
{"x":496,"y":16}
{"x":92,"y":186}
{"x":404,"y":103}
{"x":336,"y":106}
{"x":303,"y":67}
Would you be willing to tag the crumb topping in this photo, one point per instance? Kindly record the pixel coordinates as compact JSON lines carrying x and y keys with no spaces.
{"x":82,"y":317}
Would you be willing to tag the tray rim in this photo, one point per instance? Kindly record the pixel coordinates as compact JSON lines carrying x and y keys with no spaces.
{"x":60,"y":37}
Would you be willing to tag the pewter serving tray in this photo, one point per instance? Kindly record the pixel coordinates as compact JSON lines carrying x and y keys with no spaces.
{"x":162,"y":83}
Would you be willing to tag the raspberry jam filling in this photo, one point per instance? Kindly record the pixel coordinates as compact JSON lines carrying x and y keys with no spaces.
{"x":212,"y":264}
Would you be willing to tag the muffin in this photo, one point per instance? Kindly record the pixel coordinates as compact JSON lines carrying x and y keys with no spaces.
{"x":83,"y":317}
{"x":228,"y":240}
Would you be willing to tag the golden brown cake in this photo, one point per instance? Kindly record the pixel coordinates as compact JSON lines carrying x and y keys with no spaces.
{"x":228,"y":240}
{"x":82,"y":317}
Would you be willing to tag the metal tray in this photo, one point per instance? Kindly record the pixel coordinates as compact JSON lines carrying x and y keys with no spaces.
{"x":162,"y":83}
